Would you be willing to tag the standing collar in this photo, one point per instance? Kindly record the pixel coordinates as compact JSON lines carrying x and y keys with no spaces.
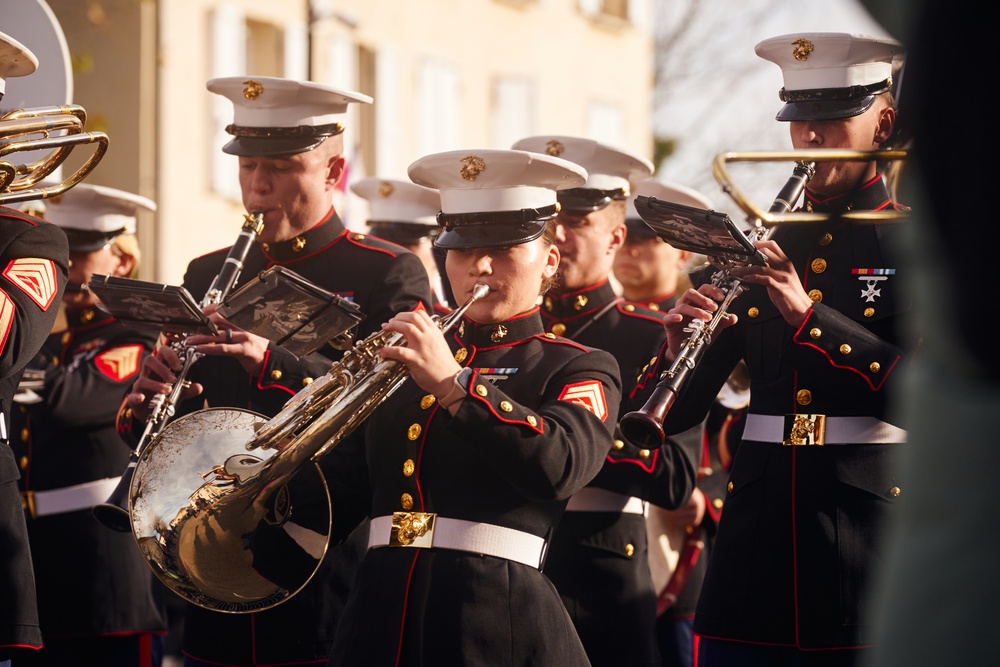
{"x":871,"y":196}
{"x":307,"y":243}
{"x":582,"y":302}
{"x":518,"y":328}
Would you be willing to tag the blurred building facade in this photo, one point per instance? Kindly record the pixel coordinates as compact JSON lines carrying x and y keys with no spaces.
{"x":445,"y":74}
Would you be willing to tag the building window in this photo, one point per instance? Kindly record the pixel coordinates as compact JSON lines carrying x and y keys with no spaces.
{"x":605,"y":123}
{"x":514,"y":110}
{"x":438,"y":118}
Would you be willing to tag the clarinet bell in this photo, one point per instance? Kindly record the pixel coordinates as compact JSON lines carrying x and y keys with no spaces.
{"x":114,"y":512}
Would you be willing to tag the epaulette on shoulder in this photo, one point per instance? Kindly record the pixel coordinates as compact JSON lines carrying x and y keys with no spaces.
{"x":375,"y":243}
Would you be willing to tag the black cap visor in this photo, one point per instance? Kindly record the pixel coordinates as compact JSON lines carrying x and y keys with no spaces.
{"x":489,"y":235}
{"x":581,"y":201}
{"x":403,"y":233}
{"x":824,"y":109}
{"x":277,"y":141}
{"x":87,"y":241}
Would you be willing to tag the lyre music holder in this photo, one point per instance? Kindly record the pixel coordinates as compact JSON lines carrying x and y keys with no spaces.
{"x":146,"y":305}
{"x":697,"y":230}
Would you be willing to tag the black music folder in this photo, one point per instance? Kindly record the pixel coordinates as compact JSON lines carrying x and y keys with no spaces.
{"x":290,"y":311}
{"x":146,"y":305}
{"x":698,"y":230}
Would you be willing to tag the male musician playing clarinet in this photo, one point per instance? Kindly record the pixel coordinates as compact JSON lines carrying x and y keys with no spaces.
{"x":814,"y":476}
{"x":288,"y":137}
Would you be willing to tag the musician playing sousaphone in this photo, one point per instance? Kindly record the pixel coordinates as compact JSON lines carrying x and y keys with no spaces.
{"x":814,"y":475}
{"x":34,"y":262}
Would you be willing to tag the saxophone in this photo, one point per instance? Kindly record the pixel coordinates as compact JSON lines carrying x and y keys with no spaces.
{"x":215,"y":488}
{"x":113,"y":512}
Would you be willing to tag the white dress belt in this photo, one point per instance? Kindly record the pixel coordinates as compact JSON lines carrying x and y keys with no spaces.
{"x":68,"y":498}
{"x":593,"y":499}
{"x":461,"y":535}
{"x":839,"y":430}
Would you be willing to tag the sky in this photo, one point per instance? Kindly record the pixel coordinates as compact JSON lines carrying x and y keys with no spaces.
{"x":720,"y":96}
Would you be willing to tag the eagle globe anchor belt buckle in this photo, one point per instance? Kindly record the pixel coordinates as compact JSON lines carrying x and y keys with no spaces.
{"x":428,"y":530}
{"x":805,"y":430}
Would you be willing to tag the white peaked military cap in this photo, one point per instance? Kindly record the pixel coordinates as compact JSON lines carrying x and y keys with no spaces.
{"x":93,"y":215}
{"x":495,"y":197}
{"x":664,"y":191}
{"x":830,"y":75}
{"x":401,"y":211}
{"x":275,"y":116}
{"x":15,"y":60}
{"x":610,"y":171}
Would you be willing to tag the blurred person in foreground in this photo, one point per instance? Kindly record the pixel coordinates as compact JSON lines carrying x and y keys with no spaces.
{"x":815,"y":476}
{"x":96,"y":597}
{"x":466,"y":469}
{"x":34,"y":264}
{"x":288,"y":138}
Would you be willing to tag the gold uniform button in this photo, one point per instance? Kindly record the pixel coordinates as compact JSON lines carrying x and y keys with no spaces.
{"x":306,"y":382}
{"x":413,"y":432}
{"x":66,"y":338}
{"x":406,"y":501}
{"x":753,"y":312}
{"x":481,"y":390}
{"x":804,"y":397}
{"x":895,"y":491}
{"x":629,"y":550}
{"x":24,"y":434}
{"x":55,"y":361}
{"x":23,"y":462}
{"x":643,"y":453}
{"x":427,"y":401}
{"x":815,"y":295}
{"x":619,"y":444}
{"x":128,"y":413}
{"x":845,"y":349}
{"x":531,"y":420}
{"x":359,"y":237}
{"x":265,"y":246}
{"x":730,"y":487}
{"x":629,"y":308}
{"x":408,"y":467}
{"x":275,"y":374}
{"x":550,"y":335}
{"x":460,"y":354}
{"x":818,"y":265}
{"x":717,"y":503}
{"x":815,"y":333}
{"x":869,"y":312}
{"x":653,"y":306}
{"x":559,"y":328}
{"x":875,"y":367}
{"x":506,"y":406}
{"x":825,"y":239}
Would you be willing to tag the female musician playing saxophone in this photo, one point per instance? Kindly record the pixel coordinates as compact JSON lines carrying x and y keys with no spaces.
{"x":466,"y":469}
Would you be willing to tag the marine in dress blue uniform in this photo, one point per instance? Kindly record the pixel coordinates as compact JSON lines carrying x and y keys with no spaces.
{"x":96,"y":597}
{"x":406,"y":214}
{"x":34,"y":262}
{"x":598,"y":559}
{"x":277,"y":121}
{"x":523,"y":419}
{"x":815,"y":476}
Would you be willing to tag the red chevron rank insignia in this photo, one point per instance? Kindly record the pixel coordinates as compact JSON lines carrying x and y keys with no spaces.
{"x":36,"y":277}
{"x":119,"y":363}
{"x":589,"y":395}
{"x":6,"y":317}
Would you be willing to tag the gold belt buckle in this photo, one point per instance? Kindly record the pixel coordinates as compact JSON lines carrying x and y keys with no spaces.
{"x":807,"y":430}
{"x":28,"y":503}
{"x":412,"y":529}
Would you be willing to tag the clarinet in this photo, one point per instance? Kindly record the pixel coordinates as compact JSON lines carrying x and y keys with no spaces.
{"x":114,"y":512}
{"x":644,"y":427}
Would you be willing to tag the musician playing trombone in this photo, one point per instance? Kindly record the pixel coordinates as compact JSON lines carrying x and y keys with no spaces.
{"x":814,"y":476}
{"x":288,"y":138}
{"x":34,"y":262}
{"x":468,"y":466}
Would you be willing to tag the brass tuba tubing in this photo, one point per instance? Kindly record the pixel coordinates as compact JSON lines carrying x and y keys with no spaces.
{"x":772,"y":217}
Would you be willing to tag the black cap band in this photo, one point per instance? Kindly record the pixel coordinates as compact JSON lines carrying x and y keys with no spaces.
{"x":587,"y":200}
